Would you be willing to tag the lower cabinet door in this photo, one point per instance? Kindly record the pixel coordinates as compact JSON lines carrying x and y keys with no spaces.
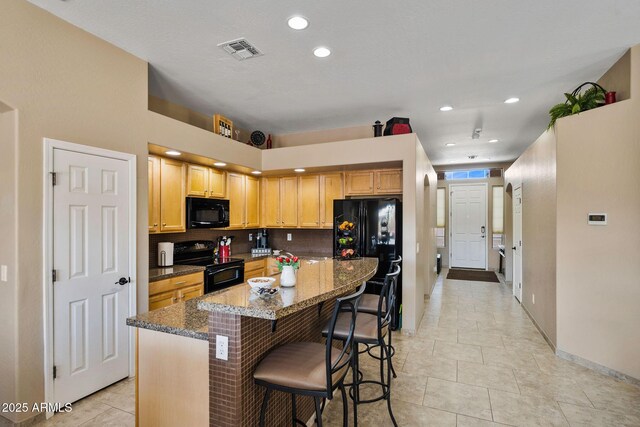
{"x":163,"y":299}
{"x":189,"y":292}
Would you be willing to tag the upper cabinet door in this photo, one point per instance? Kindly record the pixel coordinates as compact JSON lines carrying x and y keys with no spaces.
{"x":154,"y":194}
{"x":271,"y":202}
{"x":389,"y":181}
{"x":216,"y":183}
{"x":289,"y":201}
{"x":252,"y":202}
{"x":173,"y":175}
{"x":359,"y":183}
{"x":309,"y":201}
{"x":331,"y":188}
{"x":197,"y":180}
{"x":236,"y":188}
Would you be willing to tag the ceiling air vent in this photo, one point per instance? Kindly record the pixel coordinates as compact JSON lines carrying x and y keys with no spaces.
{"x":240,"y":49}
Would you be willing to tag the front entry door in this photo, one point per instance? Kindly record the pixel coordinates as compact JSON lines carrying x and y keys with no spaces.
{"x":90,"y":245}
{"x":468,"y":225}
{"x":517,"y":243}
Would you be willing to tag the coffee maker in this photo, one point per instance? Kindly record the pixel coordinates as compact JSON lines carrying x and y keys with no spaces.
{"x":262,"y":243}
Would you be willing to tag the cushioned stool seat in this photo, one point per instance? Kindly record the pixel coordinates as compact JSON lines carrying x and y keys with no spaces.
{"x":366,"y":328}
{"x":299,"y":365}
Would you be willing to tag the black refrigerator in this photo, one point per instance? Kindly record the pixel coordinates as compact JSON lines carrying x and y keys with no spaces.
{"x":377,"y":233}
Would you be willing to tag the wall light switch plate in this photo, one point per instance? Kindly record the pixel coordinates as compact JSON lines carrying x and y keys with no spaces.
{"x":289,"y":237}
{"x":533,"y":298}
{"x":250,"y":237}
{"x":417,"y":248}
{"x":222,"y":347}
{"x":3,"y":273}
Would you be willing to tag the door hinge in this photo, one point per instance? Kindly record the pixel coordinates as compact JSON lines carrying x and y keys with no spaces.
{"x":55,"y":371}
{"x":54,"y":275}
{"x":53,"y":178}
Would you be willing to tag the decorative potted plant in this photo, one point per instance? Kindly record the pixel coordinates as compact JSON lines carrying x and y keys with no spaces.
{"x":578,"y":102}
{"x":287,"y":265}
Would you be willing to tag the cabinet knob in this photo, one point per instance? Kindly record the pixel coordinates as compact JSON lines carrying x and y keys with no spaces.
{"x":155,"y":224}
{"x":164,"y":224}
{"x":174,"y":300}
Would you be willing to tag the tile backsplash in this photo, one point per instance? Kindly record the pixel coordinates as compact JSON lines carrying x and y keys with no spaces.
{"x":315,"y":242}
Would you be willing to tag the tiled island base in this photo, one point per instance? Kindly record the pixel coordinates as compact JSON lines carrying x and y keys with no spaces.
{"x":234,"y":399}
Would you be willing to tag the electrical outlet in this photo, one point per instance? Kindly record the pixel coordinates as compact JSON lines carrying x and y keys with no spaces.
{"x":289,"y":237}
{"x":533,"y":298}
{"x":222,"y":347}
{"x":3,"y":273}
{"x":250,"y":237}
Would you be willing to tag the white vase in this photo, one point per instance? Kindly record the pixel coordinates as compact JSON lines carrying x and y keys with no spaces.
{"x":288,"y":276}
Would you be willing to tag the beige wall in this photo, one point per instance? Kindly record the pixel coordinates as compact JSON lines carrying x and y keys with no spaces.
{"x":598,"y":266}
{"x":618,"y":77}
{"x":68,"y":85}
{"x":322,"y":136}
{"x":8,"y":246}
{"x":535,"y":171}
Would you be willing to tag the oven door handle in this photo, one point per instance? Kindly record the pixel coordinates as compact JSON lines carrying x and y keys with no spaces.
{"x":224,"y":269}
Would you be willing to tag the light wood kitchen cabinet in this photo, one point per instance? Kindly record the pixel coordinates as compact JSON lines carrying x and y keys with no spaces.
{"x":172,"y":195}
{"x":359,"y":183}
{"x":271,"y":202}
{"x":388,"y":181}
{"x":203,"y":181}
{"x":373,"y":182}
{"x":236,"y":188}
{"x":309,"y":201}
{"x":217,"y":183}
{"x":244,"y":201}
{"x":197,"y":181}
{"x":163,"y":293}
{"x":255,"y":268}
{"x":289,"y":201}
{"x":280,"y":202}
{"x":252,"y":202}
{"x":154,"y":194}
{"x":331,"y":188}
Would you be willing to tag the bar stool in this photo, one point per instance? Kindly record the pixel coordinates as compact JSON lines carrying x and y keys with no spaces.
{"x":311,"y":368}
{"x":371,"y":329}
{"x":369,"y":304}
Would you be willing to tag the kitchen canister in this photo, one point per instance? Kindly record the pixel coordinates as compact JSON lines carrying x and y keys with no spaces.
{"x":165,"y":254}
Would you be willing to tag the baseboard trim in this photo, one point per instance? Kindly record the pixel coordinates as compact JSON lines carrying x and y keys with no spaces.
{"x":597,"y":367}
{"x":542,"y":332}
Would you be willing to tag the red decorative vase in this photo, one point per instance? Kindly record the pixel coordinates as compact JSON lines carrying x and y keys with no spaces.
{"x":610,"y":98}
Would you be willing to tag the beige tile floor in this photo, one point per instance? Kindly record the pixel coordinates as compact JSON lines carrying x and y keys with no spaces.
{"x":476,"y":360}
{"x":112,"y":406}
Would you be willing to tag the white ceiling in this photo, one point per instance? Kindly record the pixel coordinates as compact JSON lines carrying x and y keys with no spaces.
{"x":388,"y":59}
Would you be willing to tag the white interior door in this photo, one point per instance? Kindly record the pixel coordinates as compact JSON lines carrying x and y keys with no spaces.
{"x":468,"y":209}
{"x":517,"y":243}
{"x":90,"y":255}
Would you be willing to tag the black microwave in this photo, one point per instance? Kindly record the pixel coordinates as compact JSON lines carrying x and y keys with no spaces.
{"x":207,"y":213}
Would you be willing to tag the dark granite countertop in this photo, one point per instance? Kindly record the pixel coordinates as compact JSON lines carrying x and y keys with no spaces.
{"x":182,"y":318}
{"x":319,"y":280}
{"x":161,"y":273}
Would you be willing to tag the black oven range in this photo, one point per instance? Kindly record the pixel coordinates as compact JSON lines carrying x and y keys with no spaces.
{"x":220,"y":273}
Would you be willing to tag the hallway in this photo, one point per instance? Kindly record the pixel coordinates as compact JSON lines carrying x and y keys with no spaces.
{"x":478,"y":360}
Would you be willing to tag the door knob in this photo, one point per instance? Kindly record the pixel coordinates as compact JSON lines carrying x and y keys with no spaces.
{"x":123,"y":281}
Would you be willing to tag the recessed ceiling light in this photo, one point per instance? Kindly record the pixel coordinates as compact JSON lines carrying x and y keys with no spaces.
{"x":511,"y":100}
{"x":493,"y":140}
{"x":256,"y":172}
{"x":321,"y":52}
{"x":298,"y":22}
{"x":450,"y":144}
{"x":172,"y":153}
{"x":446,"y":108}
{"x":298,"y":170}
{"x":220,"y":164}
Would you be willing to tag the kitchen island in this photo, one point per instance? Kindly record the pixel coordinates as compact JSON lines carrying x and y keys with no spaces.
{"x":182,"y":381}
